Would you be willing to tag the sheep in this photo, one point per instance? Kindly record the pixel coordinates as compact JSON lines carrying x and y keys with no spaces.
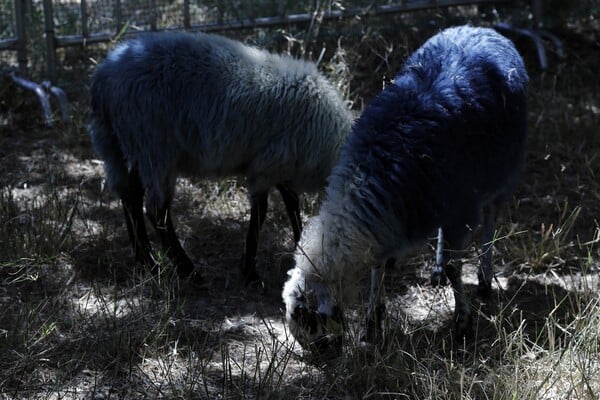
{"x":168,"y":104}
{"x":441,"y":144}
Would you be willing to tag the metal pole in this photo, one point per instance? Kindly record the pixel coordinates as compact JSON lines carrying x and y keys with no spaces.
{"x":186,"y":14}
{"x":84,"y":19}
{"x":19,"y":8}
{"x":219,"y":12}
{"x":50,"y":43}
{"x":118,"y":16}
{"x":251,"y":10}
{"x":153,"y":15}
{"x":536,"y":13}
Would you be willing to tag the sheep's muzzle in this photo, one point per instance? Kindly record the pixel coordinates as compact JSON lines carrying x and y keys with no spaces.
{"x":318,"y":332}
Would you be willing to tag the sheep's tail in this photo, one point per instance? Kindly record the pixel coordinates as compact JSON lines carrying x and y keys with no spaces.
{"x":107,"y":145}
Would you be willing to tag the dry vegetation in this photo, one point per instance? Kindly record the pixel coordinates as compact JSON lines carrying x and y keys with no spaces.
{"x":78,"y":318}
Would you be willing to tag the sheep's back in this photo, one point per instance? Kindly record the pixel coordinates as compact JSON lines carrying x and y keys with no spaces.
{"x":214,"y":107}
{"x":446,"y":138}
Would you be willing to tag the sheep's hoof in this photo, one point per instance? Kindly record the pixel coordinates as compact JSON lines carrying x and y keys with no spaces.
{"x":249,"y":273}
{"x":484,"y":286}
{"x":185,"y":268}
{"x":251,"y":278}
{"x":484,"y":290}
{"x":195,"y":279}
{"x":462,"y":326}
{"x":438,"y":278}
{"x":327,"y":348}
{"x":373,"y":333}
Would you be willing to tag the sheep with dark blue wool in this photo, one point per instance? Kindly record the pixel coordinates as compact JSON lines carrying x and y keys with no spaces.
{"x":441,"y":146}
{"x":204,"y":105}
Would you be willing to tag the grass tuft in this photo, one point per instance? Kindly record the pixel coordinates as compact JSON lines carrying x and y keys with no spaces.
{"x":80,"y":319}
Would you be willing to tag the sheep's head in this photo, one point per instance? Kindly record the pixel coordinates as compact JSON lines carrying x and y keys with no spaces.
{"x":312,"y":316}
{"x":317,"y":331}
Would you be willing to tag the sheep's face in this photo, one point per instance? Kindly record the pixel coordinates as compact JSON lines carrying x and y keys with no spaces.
{"x":315,"y":322}
{"x":316,"y":330}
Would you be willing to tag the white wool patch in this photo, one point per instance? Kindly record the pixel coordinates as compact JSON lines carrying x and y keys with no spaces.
{"x":334,"y":252}
{"x":135,"y":46}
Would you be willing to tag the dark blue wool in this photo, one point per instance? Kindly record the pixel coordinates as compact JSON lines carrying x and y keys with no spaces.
{"x":440,"y":146}
{"x":445,"y":139}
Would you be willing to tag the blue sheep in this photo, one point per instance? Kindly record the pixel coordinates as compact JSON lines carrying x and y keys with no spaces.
{"x":442,"y":144}
{"x":204,"y":105}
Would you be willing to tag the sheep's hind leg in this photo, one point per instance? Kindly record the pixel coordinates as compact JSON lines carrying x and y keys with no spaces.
{"x":258,"y":213}
{"x":486,"y":269}
{"x":132,"y":201}
{"x":456,"y":241}
{"x":376,"y":308}
{"x":292,"y":206}
{"x":438,"y":275}
{"x":161,"y":220}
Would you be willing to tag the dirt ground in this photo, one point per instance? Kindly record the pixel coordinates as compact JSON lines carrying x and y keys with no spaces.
{"x":68,"y":231}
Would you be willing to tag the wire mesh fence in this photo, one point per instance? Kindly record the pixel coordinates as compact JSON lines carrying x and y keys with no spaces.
{"x":12,"y":33}
{"x":35,"y":29}
{"x":38,"y":35}
{"x":7,"y":28}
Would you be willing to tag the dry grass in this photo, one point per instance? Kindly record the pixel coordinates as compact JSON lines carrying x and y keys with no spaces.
{"x":78,"y":318}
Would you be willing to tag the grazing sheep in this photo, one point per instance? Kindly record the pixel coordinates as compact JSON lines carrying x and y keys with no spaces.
{"x":204,"y":105}
{"x":440,"y":144}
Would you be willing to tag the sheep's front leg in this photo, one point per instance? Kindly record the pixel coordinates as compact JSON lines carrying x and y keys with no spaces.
{"x":376,"y":308}
{"x":160,"y":217}
{"x":438,"y":275}
{"x":456,"y":240}
{"x":258,"y":213}
{"x":132,"y":200}
{"x":292,"y":206}
{"x":486,"y":269}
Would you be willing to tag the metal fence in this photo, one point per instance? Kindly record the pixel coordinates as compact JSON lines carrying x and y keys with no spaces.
{"x":76,"y":22}
{"x":12,"y":29}
{"x":52,"y":24}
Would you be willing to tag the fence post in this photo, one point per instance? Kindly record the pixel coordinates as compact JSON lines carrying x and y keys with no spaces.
{"x":19,"y":9}
{"x":118,"y":16}
{"x":84,"y":20}
{"x":536,"y":14}
{"x":251,"y":10}
{"x":50,"y":40}
{"x":186,"y":14}
{"x":282,"y":9}
{"x":153,"y":15}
